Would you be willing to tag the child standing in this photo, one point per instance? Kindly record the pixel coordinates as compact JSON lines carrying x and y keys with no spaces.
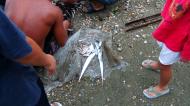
{"x":173,"y":36}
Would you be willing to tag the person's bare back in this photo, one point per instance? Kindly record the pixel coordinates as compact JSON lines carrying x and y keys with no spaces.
{"x":36,"y":18}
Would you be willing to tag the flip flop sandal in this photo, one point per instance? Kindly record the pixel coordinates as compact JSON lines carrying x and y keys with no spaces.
{"x":151,"y":92}
{"x":56,"y":104}
{"x":90,"y":8}
{"x":148,"y":65}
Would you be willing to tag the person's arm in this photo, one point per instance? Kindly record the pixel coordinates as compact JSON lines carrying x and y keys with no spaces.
{"x":15,"y":46}
{"x":178,"y":8}
{"x":38,"y":58}
{"x":59,"y":30}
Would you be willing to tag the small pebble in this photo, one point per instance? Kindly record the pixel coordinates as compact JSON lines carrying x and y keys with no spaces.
{"x":134,"y":97}
{"x":128,"y":86}
{"x":124,"y":81}
{"x":119,"y":49}
{"x":137,"y":36}
{"x":108,"y":99}
{"x":145,"y":42}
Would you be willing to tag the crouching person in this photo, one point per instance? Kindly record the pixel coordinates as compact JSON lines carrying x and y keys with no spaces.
{"x":20,"y":85}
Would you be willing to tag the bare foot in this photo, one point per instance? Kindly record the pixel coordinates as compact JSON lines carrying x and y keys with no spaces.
{"x":92,"y":6}
{"x":97,"y":5}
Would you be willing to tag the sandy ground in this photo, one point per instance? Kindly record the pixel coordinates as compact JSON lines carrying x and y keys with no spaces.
{"x":125,"y":88}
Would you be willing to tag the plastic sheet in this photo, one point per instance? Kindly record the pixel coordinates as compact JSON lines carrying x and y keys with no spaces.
{"x":71,"y":58}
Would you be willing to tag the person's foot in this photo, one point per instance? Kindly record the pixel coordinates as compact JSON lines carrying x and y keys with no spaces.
{"x":56,"y":104}
{"x":97,"y":5}
{"x":151,"y":65}
{"x":155,"y":92}
{"x":93,"y":6}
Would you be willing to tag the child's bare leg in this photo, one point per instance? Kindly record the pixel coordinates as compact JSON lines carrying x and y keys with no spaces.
{"x":165,"y":76}
{"x":161,"y":88}
{"x":165,"y":73}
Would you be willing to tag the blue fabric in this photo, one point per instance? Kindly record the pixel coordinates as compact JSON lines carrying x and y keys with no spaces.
{"x":18,"y":83}
{"x":107,"y":2}
{"x":1,"y":6}
{"x":2,"y":3}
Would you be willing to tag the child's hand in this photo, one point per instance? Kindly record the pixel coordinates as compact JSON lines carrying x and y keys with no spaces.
{"x":51,"y":66}
{"x":177,"y":9}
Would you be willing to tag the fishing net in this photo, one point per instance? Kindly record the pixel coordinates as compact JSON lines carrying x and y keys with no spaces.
{"x":72,"y":57}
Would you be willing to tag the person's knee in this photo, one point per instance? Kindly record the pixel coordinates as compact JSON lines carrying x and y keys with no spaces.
{"x":163,"y":67}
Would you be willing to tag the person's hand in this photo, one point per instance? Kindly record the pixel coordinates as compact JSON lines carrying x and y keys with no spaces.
{"x":51,"y":64}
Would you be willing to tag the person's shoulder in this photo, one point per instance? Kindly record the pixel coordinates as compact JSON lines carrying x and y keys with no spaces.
{"x":48,"y":8}
{"x":56,"y":11}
